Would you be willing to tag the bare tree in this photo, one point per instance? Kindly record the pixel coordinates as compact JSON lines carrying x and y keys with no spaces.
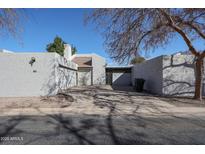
{"x":10,"y":21}
{"x":129,"y":31}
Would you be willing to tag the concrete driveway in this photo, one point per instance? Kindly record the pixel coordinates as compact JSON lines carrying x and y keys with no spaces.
{"x":101,"y":115}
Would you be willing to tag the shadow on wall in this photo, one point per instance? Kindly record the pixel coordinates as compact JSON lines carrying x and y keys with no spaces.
{"x":123,"y":79}
{"x":84,"y":80}
{"x":100,"y":80}
{"x":59,"y":79}
{"x":179,"y":76}
{"x":50,"y":86}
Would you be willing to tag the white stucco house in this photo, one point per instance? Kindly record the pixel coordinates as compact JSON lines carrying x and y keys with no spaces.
{"x":91,"y":69}
{"x":44,"y":73}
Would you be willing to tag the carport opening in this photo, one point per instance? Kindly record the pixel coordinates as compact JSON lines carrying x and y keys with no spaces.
{"x":118,"y":76}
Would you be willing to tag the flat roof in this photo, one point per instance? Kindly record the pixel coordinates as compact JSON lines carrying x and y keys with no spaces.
{"x":119,"y":67}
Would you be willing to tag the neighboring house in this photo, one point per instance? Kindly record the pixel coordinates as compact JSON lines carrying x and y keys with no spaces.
{"x":167,"y":75}
{"x":91,"y":69}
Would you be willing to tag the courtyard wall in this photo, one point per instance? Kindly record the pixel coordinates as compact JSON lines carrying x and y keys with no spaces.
{"x":151,"y":71}
{"x":172,"y":75}
{"x":44,"y":77}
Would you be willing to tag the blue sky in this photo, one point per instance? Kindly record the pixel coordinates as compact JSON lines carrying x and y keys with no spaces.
{"x":44,"y":24}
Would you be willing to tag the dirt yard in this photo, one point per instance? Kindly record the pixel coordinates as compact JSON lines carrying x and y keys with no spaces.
{"x":100,"y":100}
{"x":101,"y":115}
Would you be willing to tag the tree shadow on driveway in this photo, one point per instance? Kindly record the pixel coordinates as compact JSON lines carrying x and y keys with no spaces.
{"x":115,"y":126}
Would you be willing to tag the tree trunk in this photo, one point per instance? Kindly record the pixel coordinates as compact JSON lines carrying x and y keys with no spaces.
{"x":199,"y":78}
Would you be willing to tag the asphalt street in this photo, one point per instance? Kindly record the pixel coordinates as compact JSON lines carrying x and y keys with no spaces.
{"x":95,"y":129}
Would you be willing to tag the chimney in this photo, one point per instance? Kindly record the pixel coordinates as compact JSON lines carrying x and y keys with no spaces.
{"x":67,"y":51}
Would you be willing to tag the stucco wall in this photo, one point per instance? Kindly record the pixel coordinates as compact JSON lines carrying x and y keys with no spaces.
{"x":151,"y":71}
{"x":19,"y":78}
{"x":178,"y":75}
{"x":84,"y":76}
{"x":98,"y":64}
{"x":66,"y":73}
{"x":168,"y":75}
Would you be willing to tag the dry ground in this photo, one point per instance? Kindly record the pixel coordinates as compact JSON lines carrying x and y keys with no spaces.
{"x":100,"y":100}
{"x":101,"y":115}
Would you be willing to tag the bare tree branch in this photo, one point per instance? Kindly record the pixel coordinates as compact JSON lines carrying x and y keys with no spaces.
{"x":180,"y":31}
{"x":197,"y":29}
